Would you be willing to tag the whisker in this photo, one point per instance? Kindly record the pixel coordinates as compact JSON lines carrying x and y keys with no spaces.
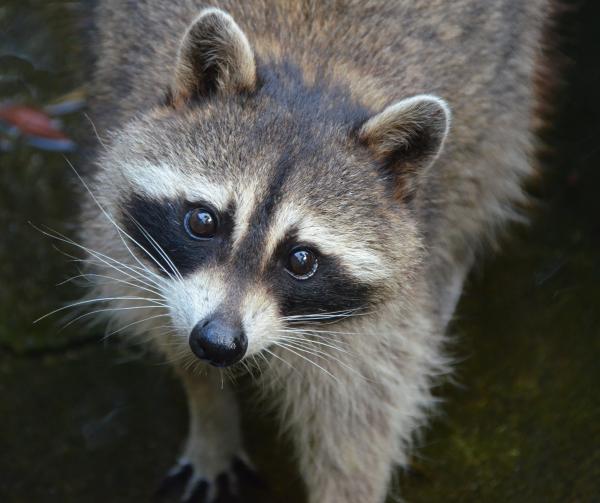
{"x":263,"y":357}
{"x":157,"y":247}
{"x":267,"y":350}
{"x":87,"y":275}
{"x":320,"y":343}
{"x":320,"y":334}
{"x":326,"y":318}
{"x":288,"y":348}
{"x":103,"y":258}
{"x":141,"y":264}
{"x":101,"y":299}
{"x":325,"y":356}
{"x":176,"y":327}
{"x":164,"y":333}
{"x":140,"y":273}
{"x":246,"y":368}
{"x":108,"y":309}
{"x":135,"y":323}
{"x":328,"y":332}
{"x":120,"y":230}
{"x":325,"y":314}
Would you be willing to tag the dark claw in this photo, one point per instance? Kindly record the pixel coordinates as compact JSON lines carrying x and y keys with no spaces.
{"x":223,"y":484}
{"x":175,"y":479}
{"x":224,"y":494}
{"x":198,"y":495}
{"x":247,"y":476}
{"x":246,"y":480}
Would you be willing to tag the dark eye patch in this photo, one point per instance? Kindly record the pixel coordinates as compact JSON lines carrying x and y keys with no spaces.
{"x":331,"y":289}
{"x":164,"y":221}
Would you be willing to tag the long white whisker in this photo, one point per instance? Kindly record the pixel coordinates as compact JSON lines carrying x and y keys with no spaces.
{"x":263,"y":357}
{"x":108,"y":309}
{"x":112,"y":278}
{"x":330,"y":318}
{"x":324,"y":315}
{"x":311,"y":342}
{"x":319,"y":334}
{"x":135,"y":323}
{"x":324,"y":356}
{"x":141,"y":264}
{"x":157,"y":247}
{"x":101,"y":299}
{"x":101,"y":257}
{"x":288,"y":348}
{"x":140,"y":273}
{"x":120,"y":230}
{"x":328,"y":332}
{"x":279,"y":358}
{"x":175,"y":327}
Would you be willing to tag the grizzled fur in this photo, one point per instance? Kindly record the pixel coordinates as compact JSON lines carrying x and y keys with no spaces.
{"x":294,"y":122}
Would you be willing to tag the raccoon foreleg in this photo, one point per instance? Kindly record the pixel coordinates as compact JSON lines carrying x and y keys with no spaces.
{"x":213,"y":459}
{"x":346,"y":437}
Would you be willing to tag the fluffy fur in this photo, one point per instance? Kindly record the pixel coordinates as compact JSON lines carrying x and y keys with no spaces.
{"x":305,"y":122}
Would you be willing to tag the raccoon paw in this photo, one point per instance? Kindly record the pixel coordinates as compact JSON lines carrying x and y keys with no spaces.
{"x":228,"y":486}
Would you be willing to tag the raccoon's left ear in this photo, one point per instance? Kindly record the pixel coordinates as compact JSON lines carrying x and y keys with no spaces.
{"x":214,"y":56}
{"x":408,"y":136}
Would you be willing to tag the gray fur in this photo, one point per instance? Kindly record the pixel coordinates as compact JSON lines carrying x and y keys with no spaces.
{"x":330,"y":67}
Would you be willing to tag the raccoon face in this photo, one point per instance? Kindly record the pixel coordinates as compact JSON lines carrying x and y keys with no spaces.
{"x":265,"y":202}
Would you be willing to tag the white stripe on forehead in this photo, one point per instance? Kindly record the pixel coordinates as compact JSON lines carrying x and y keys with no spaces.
{"x":361,"y":261}
{"x":161,"y":181}
{"x":245,"y":201}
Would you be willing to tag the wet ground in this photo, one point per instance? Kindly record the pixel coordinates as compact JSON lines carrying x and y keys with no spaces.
{"x":86,"y":420}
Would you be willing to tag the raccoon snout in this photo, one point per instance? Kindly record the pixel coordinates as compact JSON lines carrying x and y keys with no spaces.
{"x":218,"y":341}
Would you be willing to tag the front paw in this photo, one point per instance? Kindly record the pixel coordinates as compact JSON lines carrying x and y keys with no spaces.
{"x":226,"y":485}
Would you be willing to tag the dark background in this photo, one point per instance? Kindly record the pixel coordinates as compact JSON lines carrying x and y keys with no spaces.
{"x":83,"y":419}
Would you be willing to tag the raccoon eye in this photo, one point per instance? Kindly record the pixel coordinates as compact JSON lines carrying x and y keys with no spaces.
{"x":302,"y":263}
{"x":200,"y":223}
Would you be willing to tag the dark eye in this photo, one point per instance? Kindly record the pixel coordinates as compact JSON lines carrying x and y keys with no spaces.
{"x":302,"y":263}
{"x":200,"y":223}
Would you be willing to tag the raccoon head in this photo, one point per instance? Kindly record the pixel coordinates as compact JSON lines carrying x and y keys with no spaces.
{"x":265,"y":200}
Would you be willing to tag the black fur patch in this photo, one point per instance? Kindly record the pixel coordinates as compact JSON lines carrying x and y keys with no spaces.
{"x":331,"y":289}
{"x":163,"y":222}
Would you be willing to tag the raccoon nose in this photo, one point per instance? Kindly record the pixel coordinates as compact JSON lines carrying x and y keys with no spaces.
{"x":219,"y":342}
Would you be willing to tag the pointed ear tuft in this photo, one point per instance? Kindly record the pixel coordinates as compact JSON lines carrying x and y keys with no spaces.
{"x":408,"y":136}
{"x":214,"y":56}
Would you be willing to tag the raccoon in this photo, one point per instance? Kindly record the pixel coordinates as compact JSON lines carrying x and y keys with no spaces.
{"x":300,"y":188}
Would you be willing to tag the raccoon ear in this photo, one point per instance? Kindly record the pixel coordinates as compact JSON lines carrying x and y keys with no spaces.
{"x":214,"y":55}
{"x":408,"y":136}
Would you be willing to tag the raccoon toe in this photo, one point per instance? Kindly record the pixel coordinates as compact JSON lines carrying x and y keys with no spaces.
{"x":175,"y":479}
{"x":230,"y":486}
{"x":198,"y":491}
{"x":246,"y":476}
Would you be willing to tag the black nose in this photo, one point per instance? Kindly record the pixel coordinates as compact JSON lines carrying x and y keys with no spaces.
{"x":220,"y":342}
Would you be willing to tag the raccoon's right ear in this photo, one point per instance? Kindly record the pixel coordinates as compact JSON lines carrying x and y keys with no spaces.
{"x":214,"y":56}
{"x":407,"y":137}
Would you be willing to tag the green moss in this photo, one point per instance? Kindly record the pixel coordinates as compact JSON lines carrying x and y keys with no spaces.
{"x":520,"y":426}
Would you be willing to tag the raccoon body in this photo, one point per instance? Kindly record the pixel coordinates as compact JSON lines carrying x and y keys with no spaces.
{"x":303,"y":186}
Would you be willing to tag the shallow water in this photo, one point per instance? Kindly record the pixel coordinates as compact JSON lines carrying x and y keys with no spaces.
{"x":521,"y":422}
